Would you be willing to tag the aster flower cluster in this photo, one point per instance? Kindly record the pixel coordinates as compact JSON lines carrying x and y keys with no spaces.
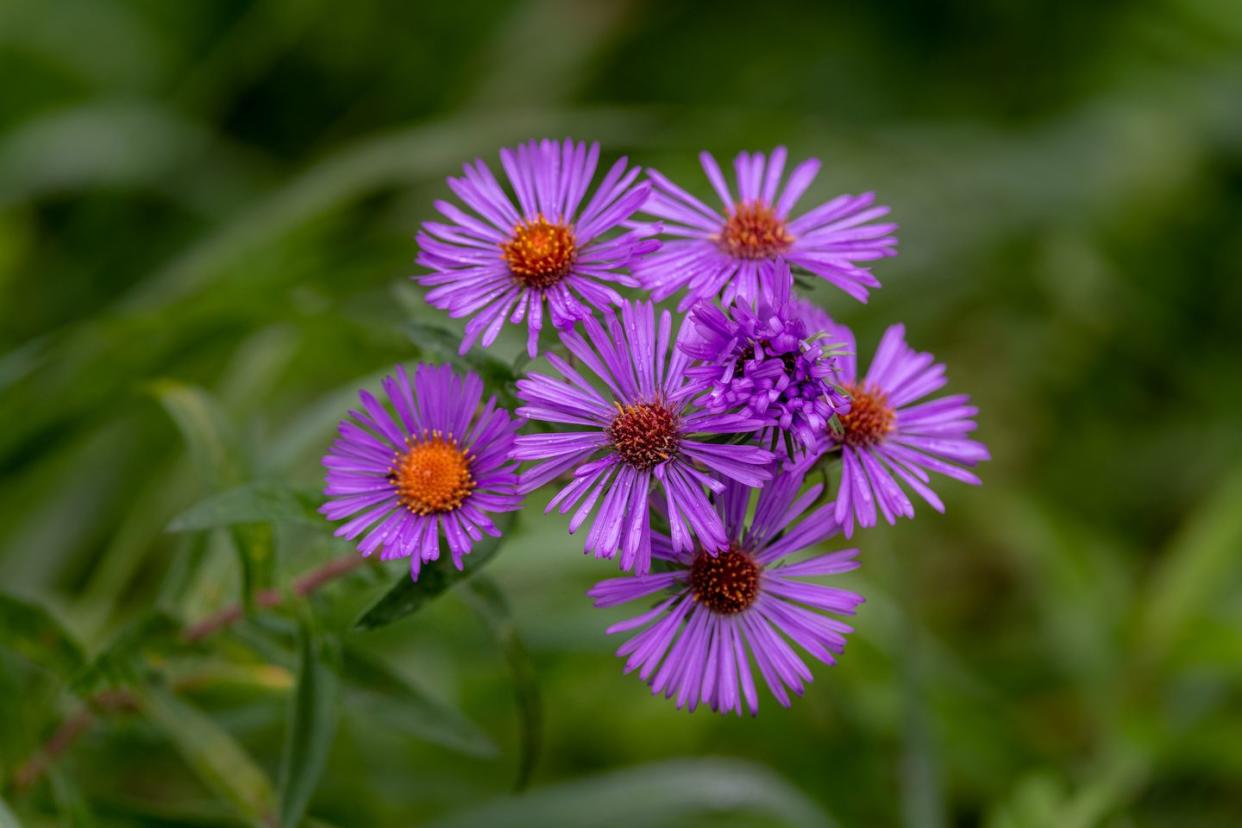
{"x":682,"y":441}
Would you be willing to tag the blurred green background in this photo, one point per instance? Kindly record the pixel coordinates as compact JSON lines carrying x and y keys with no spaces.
{"x":207,"y":209}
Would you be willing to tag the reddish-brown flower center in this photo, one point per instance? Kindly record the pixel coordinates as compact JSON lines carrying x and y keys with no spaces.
{"x":433,"y":475}
{"x":644,"y":435}
{"x":726,"y":583}
{"x":870,"y":418}
{"x":754,"y":231}
{"x":540,"y":253}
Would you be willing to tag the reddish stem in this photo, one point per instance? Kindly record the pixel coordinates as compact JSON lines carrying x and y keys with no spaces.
{"x":111,"y":701}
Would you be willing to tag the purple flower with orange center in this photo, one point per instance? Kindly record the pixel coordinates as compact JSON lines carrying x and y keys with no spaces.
{"x":507,"y":262}
{"x":887,"y":439}
{"x":737,"y":253}
{"x":739,"y":602}
{"x":633,"y":432}
{"x":439,"y":466}
{"x":761,"y":357}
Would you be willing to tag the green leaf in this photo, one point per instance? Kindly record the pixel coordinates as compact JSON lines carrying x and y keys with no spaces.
{"x":312,"y":726}
{"x":660,"y":794}
{"x":1194,"y":568}
{"x":489,"y":602}
{"x":70,"y":803}
{"x":408,"y":596}
{"x":214,"y":756}
{"x":204,"y":428}
{"x":215,"y":450}
{"x":263,"y":501}
{"x":7,"y":818}
{"x":377,"y":690}
{"x":31,"y":631}
{"x":441,"y":345}
{"x":123,"y":662}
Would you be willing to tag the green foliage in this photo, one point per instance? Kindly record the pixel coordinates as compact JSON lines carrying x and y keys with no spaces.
{"x":489,"y":602}
{"x":377,"y":691}
{"x":408,"y":596}
{"x":7,"y":818}
{"x":125,"y":661}
{"x":212,"y":753}
{"x":266,"y":501}
{"x":312,"y":724}
{"x":438,"y":345}
{"x":662,"y":794}
{"x":206,"y":221}
{"x":32,"y":631}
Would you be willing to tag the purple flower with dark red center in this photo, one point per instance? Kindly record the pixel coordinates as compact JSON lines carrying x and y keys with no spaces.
{"x":737,"y":253}
{"x":635,"y":431}
{"x":763,"y":359}
{"x":738,"y":602}
{"x":507,"y":262}
{"x":440,"y":466}
{"x":886,"y":437}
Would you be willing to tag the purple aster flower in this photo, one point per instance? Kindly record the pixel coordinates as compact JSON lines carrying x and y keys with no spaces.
{"x":439,"y":466}
{"x":506,"y":261}
{"x":736,"y":254}
{"x":636,"y":431}
{"x":816,"y":319}
{"x":739,"y":603}
{"x":762,"y":358}
{"x":886,"y":438}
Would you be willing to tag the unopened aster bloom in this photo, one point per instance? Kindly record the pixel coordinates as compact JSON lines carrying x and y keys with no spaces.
{"x":634,"y":432}
{"x":440,"y":466}
{"x":763,"y":358}
{"x":888,"y":440}
{"x":741,"y":602}
{"x":737,"y":252}
{"x":508,"y":262}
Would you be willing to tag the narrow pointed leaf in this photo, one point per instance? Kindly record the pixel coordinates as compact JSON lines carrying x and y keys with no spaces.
{"x":203,"y":426}
{"x":379,"y":691}
{"x":216,"y":452}
{"x":265,"y":501}
{"x":123,"y":662}
{"x":661,"y":794}
{"x":408,"y":596}
{"x":489,"y":602}
{"x":214,"y":755}
{"x":311,"y":729}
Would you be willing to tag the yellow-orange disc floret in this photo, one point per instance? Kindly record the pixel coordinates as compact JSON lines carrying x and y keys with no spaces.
{"x":754,"y":231}
{"x":540,"y":253}
{"x":870,"y":418}
{"x":433,"y":475}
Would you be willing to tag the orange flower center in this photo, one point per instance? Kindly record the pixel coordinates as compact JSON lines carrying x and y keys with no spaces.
{"x":644,"y":435}
{"x":870,"y":418}
{"x":726,"y":583}
{"x":433,"y":475}
{"x":540,"y":253}
{"x":754,"y":231}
